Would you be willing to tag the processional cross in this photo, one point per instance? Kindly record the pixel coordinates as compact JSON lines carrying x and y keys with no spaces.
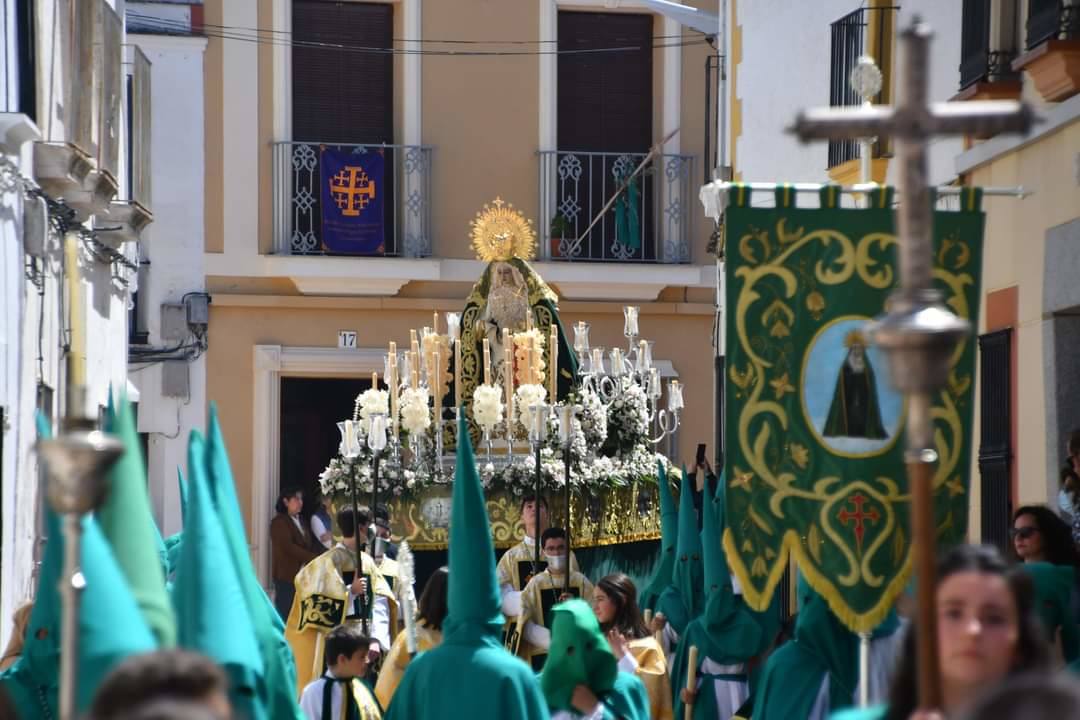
{"x":919,"y":333}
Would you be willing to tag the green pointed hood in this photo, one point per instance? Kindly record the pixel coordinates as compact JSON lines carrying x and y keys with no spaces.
{"x":669,"y":528}
{"x":687,"y":575}
{"x":183,"y":484}
{"x":278,"y":688}
{"x":717,"y":575}
{"x":210,"y":603}
{"x":579,"y":655}
{"x":128,"y":524}
{"x":473,"y":597}
{"x":32,"y":682}
{"x":111,"y":625}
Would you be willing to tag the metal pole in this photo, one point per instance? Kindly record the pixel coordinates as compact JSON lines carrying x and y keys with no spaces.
{"x":536,"y":512}
{"x":71,"y":586}
{"x":357,"y":556}
{"x":864,"y":669}
{"x":566,"y":469}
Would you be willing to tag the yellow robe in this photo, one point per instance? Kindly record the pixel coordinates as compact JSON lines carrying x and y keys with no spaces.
{"x":653,"y":671}
{"x":390,"y":571}
{"x":539,"y":596}
{"x":397,"y":661}
{"x":321,"y":604}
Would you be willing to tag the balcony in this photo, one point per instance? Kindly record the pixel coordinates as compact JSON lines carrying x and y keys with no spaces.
{"x":125,"y":218}
{"x":650,"y":222}
{"x":1052,"y":60}
{"x":297,"y":207}
{"x":866,"y":31}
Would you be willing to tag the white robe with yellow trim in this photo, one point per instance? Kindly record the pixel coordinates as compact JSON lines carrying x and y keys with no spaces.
{"x":539,"y":596}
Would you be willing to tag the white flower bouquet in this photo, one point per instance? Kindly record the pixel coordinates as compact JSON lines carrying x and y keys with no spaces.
{"x":488,"y":406}
{"x":526,"y":397}
{"x":415,"y":417}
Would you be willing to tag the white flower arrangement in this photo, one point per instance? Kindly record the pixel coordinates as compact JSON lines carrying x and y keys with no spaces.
{"x":629,"y":417}
{"x":487,"y":406}
{"x":525,"y":398}
{"x":415,"y":417}
{"x":372,"y":402}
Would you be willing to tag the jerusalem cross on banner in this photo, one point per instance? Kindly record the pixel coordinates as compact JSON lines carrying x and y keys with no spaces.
{"x":814,"y":449}
{"x":352,"y":201}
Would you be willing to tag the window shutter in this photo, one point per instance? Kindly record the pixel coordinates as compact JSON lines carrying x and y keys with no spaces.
{"x":341,"y":95}
{"x":995,"y":438}
{"x":605,"y":99}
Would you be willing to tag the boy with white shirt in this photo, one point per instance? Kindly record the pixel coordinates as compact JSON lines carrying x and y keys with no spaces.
{"x":348,"y":658}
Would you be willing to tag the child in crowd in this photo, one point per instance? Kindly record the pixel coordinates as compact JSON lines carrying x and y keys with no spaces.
{"x":340,"y":694}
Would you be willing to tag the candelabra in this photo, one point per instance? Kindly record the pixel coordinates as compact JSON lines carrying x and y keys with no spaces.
{"x":609,"y":385}
{"x":376,"y":440}
{"x":566,"y":434}
{"x":537,"y":434}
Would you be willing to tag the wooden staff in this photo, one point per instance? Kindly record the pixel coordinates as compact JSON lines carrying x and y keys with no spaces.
{"x":691,"y":682}
{"x":626,"y":183}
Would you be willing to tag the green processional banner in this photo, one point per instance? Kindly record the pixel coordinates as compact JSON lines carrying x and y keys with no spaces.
{"x":814,"y":430}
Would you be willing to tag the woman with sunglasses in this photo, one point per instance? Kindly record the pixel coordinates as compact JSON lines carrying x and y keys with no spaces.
{"x":1039,"y":535}
{"x":1043,"y":543}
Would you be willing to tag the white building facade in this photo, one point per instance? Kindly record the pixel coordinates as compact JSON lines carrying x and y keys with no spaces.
{"x":74,"y":164}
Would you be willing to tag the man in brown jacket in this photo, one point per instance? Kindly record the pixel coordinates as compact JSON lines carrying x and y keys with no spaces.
{"x":290,"y":544}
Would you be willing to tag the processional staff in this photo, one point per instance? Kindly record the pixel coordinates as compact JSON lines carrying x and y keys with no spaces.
{"x":919,"y":333}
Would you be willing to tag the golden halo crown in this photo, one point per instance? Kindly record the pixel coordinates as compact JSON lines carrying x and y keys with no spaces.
{"x":500,"y":232}
{"x":855,"y":337}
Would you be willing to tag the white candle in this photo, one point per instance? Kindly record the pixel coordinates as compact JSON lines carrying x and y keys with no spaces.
{"x":487,"y":361}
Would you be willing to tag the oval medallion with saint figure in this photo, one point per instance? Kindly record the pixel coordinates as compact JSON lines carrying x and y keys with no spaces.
{"x":848,"y":402}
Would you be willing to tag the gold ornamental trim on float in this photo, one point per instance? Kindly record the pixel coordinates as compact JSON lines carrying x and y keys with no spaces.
{"x":626,"y":514}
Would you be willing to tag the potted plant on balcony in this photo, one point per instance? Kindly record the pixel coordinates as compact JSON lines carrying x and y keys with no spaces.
{"x":560,"y":228}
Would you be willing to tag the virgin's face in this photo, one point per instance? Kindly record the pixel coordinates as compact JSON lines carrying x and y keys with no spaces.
{"x":978,"y":628}
{"x":603,"y":606}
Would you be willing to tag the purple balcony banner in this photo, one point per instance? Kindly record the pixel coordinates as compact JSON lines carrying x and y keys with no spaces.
{"x":352,"y":201}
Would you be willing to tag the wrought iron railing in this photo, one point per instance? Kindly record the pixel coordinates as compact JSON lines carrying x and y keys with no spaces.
{"x":979,"y":60}
{"x":849,"y":41}
{"x":1052,"y":19}
{"x":297,"y":220}
{"x":649,"y":222}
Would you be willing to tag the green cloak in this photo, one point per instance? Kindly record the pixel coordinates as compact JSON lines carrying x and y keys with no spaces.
{"x":1054,"y":586}
{"x":210,"y":603}
{"x":669,"y":529}
{"x":681,"y":601}
{"x":727,"y":632}
{"x":822,"y":647}
{"x":581,"y":655}
{"x":277,"y":688}
{"x":470,"y":675}
{"x":128,"y":524}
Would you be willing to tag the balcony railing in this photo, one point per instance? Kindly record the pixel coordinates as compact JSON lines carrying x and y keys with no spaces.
{"x":650,"y":221}
{"x":979,"y":60}
{"x":297,"y":224}
{"x":1052,"y":19}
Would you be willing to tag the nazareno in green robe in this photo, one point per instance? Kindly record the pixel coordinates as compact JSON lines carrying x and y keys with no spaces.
{"x":823,"y":648}
{"x":470,"y":675}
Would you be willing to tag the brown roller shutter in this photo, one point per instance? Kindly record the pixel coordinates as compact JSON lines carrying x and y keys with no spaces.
{"x":605,"y":99}
{"x":340,"y":95}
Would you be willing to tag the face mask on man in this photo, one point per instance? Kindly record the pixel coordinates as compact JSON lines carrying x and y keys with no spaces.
{"x":556,"y":562}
